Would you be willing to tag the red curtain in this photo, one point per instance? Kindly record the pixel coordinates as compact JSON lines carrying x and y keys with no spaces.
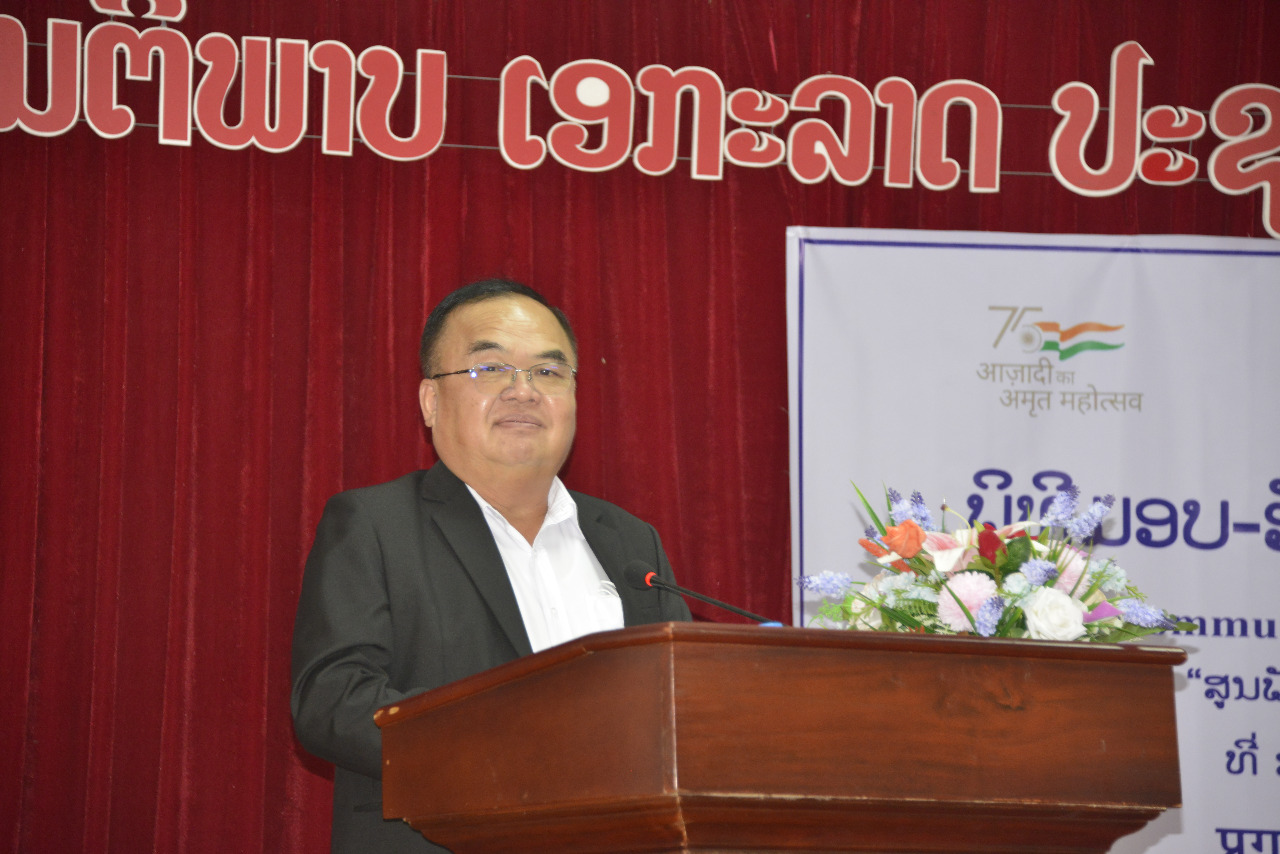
{"x":199,"y":346}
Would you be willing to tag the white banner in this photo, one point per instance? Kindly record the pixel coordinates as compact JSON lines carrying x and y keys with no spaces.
{"x":989,"y":370}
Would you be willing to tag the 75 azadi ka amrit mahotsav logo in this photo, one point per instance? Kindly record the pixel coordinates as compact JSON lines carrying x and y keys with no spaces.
{"x":1050,"y":336}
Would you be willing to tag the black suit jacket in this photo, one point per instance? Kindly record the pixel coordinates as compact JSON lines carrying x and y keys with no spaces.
{"x":405,"y":591}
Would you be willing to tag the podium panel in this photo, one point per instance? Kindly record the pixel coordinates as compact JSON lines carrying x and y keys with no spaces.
{"x":697,"y":737}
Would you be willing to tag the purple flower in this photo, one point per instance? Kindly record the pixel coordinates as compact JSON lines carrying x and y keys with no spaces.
{"x":899,"y":507}
{"x":1141,"y":614}
{"x":829,"y":584}
{"x":1083,"y":527}
{"x":1039,"y":571}
{"x":1062,"y":508}
{"x":988,"y":616}
{"x":914,"y":508}
{"x":920,"y":512}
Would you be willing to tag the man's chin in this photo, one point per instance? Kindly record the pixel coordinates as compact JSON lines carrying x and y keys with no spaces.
{"x":521,"y":452}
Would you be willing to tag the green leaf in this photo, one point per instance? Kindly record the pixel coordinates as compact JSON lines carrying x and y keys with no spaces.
{"x":1018,"y":552}
{"x":1126,"y":632}
{"x":1009,"y":621}
{"x":920,"y":563}
{"x":894,"y":614}
{"x":867,"y":504}
{"x":981,"y":564}
{"x":918,"y":607}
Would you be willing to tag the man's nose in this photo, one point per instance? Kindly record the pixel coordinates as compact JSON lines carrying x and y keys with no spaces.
{"x":522,"y":384}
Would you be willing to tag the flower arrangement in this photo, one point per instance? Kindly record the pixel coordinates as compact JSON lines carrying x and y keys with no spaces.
{"x":988,"y":581}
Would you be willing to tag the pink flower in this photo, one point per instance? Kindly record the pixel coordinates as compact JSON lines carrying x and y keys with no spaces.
{"x":950,"y":552}
{"x":972,"y":588}
{"x":1104,"y":611}
{"x":1071,"y":563}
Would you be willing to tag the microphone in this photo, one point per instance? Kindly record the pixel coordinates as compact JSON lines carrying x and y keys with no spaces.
{"x":641,"y":576}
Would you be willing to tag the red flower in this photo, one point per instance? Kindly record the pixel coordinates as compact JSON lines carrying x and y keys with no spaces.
{"x":989,"y":542}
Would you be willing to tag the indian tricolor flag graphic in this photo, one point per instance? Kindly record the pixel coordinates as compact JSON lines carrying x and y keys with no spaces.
{"x":1049,"y":335}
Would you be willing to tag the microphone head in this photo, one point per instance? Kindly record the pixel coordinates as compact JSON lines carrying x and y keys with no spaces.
{"x":638,"y":574}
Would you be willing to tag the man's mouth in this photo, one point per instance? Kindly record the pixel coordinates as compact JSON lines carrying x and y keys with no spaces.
{"x":519,"y":421}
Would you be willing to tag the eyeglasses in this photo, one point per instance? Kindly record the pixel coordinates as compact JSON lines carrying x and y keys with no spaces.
{"x":493,"y":377}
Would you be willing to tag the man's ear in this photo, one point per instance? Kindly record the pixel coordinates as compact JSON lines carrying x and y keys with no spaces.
{"x":427,"y":400}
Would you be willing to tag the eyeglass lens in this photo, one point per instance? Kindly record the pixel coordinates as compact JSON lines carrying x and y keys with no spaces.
{"x":548,"y":377}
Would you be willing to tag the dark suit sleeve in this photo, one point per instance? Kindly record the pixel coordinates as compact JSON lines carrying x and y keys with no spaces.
{"x":342,"y":641}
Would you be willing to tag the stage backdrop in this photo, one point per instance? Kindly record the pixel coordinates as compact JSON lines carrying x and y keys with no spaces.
{"x":992,"y":370}
{"x":199,"y":344}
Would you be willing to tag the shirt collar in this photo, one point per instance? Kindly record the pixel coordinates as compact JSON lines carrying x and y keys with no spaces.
{"x":560,"y":505}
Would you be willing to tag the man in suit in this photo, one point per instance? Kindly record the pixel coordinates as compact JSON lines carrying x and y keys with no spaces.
{"x":483,"y":558}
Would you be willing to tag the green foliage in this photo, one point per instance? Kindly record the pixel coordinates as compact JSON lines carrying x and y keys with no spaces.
{"x":900,"y":616}
{"x":875,"y":520}
{"x":1125,"y":632}
{"x":1017,"y":552}
{"x":834,"y":612}
{"x":917,"y":607}
{"x":1010,"y":624}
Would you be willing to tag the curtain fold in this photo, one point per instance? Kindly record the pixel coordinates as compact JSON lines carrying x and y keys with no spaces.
{"x":199,"y":346}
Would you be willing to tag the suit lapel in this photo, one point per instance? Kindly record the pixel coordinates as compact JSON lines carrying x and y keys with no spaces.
{"x":461,"y":521}
{"x":607,"y":546}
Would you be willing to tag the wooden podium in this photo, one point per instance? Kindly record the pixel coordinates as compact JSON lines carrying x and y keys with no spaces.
{"x":698,"y":737}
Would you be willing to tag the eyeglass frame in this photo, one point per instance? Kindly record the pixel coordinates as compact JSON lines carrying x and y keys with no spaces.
{"x":515,"y":372}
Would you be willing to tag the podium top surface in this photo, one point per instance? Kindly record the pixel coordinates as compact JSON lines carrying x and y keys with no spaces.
{"x":774,"y":637}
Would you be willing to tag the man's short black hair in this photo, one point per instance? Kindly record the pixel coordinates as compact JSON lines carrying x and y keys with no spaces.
{"x":476,"y":292}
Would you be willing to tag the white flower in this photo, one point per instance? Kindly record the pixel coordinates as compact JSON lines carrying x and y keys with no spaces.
{"x":921,"y":591}
{"x":1053,"y":615}
{"x":868,"y":619}
{"x":865,"y":614}
{"x":900,"y":585}
{"x":1016,"y":586}
{"x":1115,"y":580}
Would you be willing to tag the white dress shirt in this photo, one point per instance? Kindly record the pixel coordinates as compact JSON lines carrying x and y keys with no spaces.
{"x":562,"y":590}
